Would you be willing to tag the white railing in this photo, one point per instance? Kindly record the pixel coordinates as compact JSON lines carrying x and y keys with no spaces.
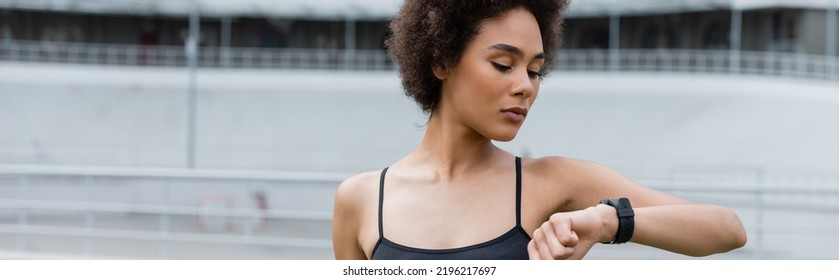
{"x":164,"y":206}
{"x":208,"y":57}
{"x":41,"y":205}
{"x":797,"y":65}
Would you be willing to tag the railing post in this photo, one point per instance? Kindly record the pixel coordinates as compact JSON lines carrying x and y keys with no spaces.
{"x":830,"y":45}
{"x":735,"y":35}
{"x":760,"y":215}
{"x":769,"y":63}
{"x":614,"y":42}
{"x":226,"y":22}
{"x":349,"y":45}
{"x":15,"y":51}
{"x":192,"y":53}
{"x":112,"y":56}
{"x":163,"y":224}
{"x":802,"y":69}
{"x":88,"y":216}
{"x":73,"y":53}
{"x":251,"y":217}
{"x":22,"y":215}
{"x":95,"y":54}
{"x":789,"y":64}
{"x":133,"y":54}
{"x":285,"y":59}
{"x":32,"y":53}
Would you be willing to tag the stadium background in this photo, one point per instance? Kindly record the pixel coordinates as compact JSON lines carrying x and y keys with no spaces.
{"x":219,"y":129}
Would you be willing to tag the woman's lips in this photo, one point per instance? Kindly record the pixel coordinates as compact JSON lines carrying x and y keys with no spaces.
{"x":516,"y":114}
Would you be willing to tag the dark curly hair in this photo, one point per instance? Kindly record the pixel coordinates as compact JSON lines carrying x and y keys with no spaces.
{"x":427,"y":33}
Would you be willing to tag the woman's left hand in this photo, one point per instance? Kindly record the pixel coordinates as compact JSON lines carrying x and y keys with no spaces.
{"x":570,"y":235}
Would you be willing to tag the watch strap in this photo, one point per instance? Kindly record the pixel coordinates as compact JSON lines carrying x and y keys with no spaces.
{"x":626,"y":219}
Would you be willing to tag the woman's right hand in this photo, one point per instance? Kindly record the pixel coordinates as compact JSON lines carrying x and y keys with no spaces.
{"x":570,"y":235}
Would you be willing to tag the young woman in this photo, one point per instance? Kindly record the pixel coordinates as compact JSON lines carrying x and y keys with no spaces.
{"x":475,"y":67}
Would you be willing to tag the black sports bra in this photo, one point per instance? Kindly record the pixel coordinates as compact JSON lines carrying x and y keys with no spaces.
{"x":511,"y":245}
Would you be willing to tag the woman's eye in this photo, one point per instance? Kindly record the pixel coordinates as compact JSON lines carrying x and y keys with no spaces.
{"x":535,"y":74}
{"x":502,"y":67}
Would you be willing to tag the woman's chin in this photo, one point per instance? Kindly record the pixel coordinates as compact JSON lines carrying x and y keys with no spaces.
{"x":505,"y":137}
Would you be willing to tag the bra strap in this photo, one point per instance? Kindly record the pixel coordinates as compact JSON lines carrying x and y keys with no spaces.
{"x":381,"y":201}
{"x":518,"y":191}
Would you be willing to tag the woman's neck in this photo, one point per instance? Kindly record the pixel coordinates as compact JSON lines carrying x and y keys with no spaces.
{"x":450,"y":148}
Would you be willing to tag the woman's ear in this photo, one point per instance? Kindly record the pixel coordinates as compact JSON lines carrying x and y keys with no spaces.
{"x":440,"y":71}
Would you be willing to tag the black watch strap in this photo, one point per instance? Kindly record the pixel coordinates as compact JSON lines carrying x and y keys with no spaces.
{"x":626,"y":219}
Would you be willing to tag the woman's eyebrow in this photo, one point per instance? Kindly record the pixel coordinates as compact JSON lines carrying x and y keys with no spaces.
{"x":514,"y":50}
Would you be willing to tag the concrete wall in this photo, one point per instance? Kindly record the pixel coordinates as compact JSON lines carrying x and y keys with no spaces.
{"x":356,"y":121}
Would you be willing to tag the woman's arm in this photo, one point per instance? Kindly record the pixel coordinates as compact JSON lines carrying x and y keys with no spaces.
{"x":661,"y":220}
{"x":689,"y":229}
{"x":345,"y":221}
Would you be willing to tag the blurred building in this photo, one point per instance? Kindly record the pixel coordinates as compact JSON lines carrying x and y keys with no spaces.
{"x":788,"y":26}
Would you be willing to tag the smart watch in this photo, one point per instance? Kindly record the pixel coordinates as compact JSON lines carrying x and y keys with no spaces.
{"x":626,"y":219}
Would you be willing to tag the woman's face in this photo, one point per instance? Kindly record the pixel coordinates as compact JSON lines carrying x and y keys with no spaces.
{"x":497,"y":79}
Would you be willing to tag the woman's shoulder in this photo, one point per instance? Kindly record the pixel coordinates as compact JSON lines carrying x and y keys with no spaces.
{"x":565,"y":184}
{"x":559,"y":165}
{"x":358,"y":188}
{"x":569,"y":172}
{"x":360,"y":180}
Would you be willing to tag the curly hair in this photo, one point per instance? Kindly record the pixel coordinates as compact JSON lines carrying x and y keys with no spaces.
{"x":428,"y":33}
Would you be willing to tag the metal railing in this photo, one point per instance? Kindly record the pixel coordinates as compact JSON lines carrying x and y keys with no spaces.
{"x":163,"y":206}
{"x":207,"y":57}
{"x":798,"y":65}
{"x":166,"y":207}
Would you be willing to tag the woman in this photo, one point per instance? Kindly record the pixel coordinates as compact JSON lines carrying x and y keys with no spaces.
{"x":475,"y":67}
